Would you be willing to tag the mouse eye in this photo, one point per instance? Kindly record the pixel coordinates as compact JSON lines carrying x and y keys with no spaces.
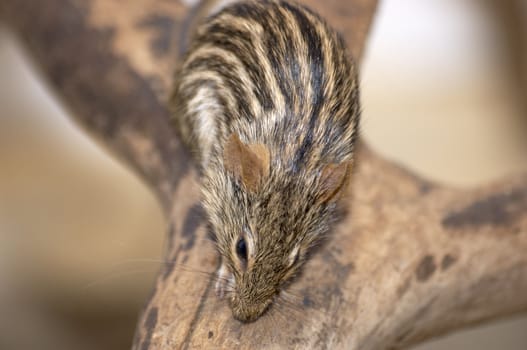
{"x":241,"y":249}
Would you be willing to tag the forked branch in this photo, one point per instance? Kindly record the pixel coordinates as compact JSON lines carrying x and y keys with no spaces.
{"x":409,"y":260}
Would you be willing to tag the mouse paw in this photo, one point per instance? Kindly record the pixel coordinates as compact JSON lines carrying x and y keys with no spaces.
{"x":222,"y":280}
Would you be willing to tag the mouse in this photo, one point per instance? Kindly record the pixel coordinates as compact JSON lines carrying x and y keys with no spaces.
{"x":266,"y":98}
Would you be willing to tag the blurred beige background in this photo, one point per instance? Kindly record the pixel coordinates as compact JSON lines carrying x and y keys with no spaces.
{"x":444,"y":91}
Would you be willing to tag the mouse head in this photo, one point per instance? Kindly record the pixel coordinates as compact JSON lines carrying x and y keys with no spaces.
{"x":265,"y":222}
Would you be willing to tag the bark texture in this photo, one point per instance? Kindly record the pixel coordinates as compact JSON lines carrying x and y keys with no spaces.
{"x":408,"y":261}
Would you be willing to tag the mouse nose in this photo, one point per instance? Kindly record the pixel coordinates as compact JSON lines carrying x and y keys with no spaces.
{"x":249,"y":310}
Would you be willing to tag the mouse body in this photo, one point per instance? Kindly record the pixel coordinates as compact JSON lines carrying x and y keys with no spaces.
{"x":267,"y":100}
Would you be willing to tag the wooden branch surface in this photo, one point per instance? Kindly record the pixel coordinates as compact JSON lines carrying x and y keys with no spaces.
{"x":410,"y":259}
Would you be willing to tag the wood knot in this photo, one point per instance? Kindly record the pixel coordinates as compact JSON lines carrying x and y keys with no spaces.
{"x":426,"y":268}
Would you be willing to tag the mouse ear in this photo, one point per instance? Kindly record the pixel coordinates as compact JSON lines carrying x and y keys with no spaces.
{"x":333,"y":180}
{"x":248,"y":163}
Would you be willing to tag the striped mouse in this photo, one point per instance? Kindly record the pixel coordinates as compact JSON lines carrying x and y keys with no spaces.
{"x":267,"y":100}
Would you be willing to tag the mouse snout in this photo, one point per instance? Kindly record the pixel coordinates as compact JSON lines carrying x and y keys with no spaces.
{"x":250,"y":308}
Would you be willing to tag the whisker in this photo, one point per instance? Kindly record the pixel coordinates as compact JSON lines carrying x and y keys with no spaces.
{"x":113,"y":276}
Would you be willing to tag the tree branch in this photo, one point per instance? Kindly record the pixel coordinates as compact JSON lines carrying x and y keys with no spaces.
{"x":409,"y":259}
{"x":112,"y":65}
